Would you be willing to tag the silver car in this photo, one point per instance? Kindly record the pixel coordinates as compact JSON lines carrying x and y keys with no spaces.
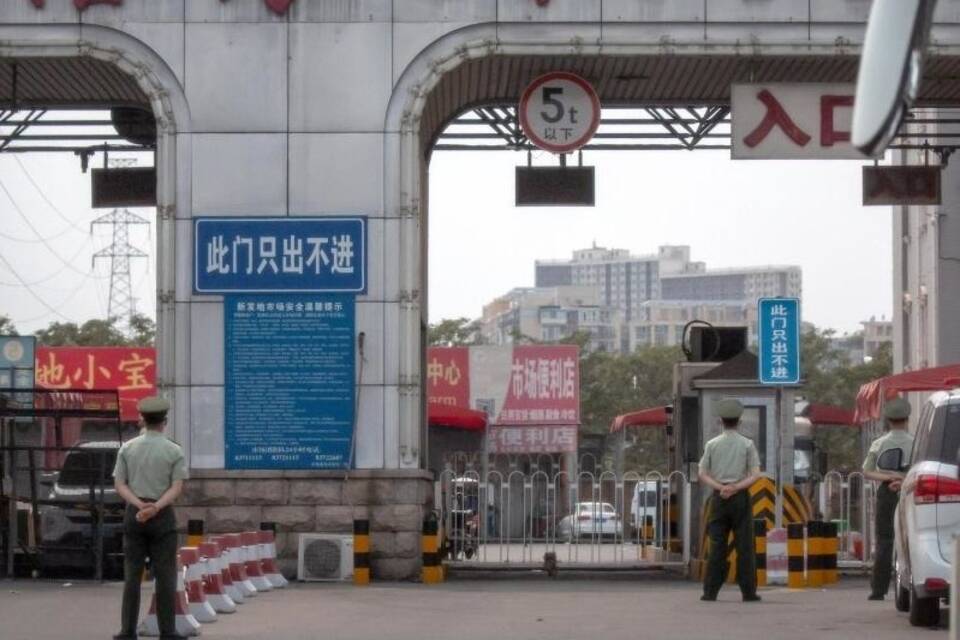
{"x":591,"y":520}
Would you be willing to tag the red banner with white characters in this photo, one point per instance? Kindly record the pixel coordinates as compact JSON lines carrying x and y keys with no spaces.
{"x":131,"y":371}
{"x":448,"y":376}
{"x":544,"y":386}
{"x":534,"y":439}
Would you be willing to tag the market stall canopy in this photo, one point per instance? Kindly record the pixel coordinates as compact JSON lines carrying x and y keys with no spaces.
{"x":653,"y":417}
{"x":828,"y":414}
{"x":442,"y":415}
{"x":873,"y":394}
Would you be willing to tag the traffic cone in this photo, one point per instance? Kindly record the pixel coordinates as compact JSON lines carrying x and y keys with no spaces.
{"x":223,"y":562}
{"x":251,"y":549}
{"x":213,"y":587}
{"x":238,"y":569}
{"x":268,"y":560}
{"x":186,"y":624}
{"x":202,"y":610}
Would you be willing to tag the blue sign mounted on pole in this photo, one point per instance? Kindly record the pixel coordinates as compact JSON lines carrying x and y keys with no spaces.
{"x":778,"y":325}
{"x":280,"y":255}
{"x":289,"y":363}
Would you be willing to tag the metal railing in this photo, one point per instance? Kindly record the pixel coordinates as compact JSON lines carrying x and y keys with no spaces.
{"x":848,"y":498}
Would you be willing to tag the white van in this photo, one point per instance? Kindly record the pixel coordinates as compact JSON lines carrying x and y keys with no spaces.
{"x":644,"y":507}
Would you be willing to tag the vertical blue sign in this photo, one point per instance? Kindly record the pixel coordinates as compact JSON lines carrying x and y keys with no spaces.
{"x":17,"y":366}
{"x":778,"y":325}
{"x":289,"y":381}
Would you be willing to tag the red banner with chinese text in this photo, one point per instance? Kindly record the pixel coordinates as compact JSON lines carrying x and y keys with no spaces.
{"x":131,"y":371}
{"x":544,"y":386}
{"x":448,"y":376}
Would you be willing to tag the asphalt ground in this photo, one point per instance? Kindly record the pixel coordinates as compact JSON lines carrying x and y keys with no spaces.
{"x":510,"y":608}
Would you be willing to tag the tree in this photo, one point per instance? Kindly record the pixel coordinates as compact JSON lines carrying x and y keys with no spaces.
{"x":92,"y":333}
{"x":454,"y":332}
{"x":144,"y":331}
{"x":6,"y":326}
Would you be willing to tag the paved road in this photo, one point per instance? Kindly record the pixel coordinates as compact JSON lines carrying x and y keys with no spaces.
{"x":518,"y":609}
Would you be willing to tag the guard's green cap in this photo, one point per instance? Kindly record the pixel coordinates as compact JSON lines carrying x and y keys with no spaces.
{"x":896,"y":409}
{"x":153,"y":405}
{"x":729,"y":409}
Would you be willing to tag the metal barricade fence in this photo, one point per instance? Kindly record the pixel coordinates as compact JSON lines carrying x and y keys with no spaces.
{"x":513,"y":517}
{"x":848,"y":499}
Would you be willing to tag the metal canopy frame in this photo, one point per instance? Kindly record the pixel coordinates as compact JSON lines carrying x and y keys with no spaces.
{"x":648,"y":128}
{"x":56,"y":132}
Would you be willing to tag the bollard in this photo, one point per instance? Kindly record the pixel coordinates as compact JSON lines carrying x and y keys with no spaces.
{"x":268,"y":559}
{"x":361,"y":552}
{"x":194,"y":533}
{"x":198,"y":605}
{"x":186,"y":624}
{"x":430,"y":548}
{"x":831,"y":549}
{"x":238,"y":571}
{"x":213,"y":586}
{"x":760,"y":546}
{"x":229,"y":587}
{"x":815,"y":544}
{"x":795,"y":577}
{"x":250,"y":541}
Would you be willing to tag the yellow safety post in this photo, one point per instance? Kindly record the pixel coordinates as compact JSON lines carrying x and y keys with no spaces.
{"x":815,"y":553}
{"x":831,"y":549}
{"x":194,"y":533}
{"x":430,"y":548}
{"x":361,"y":552}
{"x":795,"y":577}
{"x":760,"y":546}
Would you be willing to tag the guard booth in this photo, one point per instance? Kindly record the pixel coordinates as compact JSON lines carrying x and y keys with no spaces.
{"x":768,"y":420}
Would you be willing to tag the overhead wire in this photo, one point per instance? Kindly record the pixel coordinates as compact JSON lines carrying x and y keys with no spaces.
{"x":30,"y":290}
{"x":43,"y":196}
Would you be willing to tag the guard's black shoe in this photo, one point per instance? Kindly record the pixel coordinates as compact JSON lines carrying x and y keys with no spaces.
{"x":707,"y":598}
{"x":875,"y":596}
{"x":752,"y":598}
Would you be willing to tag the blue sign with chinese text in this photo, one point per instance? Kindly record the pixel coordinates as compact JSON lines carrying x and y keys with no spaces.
{"x":289,"y":364}
{"x":778,"y":325}
{"x":279,"y":255}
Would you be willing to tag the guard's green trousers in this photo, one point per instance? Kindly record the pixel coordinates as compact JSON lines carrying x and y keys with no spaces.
{"x":733,"y":514}
{"x":887,"y":500}
{"x":156,"y":538}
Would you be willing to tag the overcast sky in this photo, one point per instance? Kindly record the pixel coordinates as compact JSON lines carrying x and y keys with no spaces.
{"x":730,"y":213}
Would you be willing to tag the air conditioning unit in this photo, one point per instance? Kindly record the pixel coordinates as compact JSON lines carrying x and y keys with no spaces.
{"x":323,"y":557}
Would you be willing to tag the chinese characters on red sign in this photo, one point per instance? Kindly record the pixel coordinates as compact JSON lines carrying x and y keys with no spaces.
{"x":544,"y":386}
{"x":534,"y":439}
{"x":131,"y":371}
{"x":448,"y":376}
{"x":790,"y":121}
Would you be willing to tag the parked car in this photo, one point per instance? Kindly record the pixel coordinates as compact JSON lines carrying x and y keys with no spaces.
{"x":66,"y":521}
{"x":928,"y":514}
{"x":590,"y":519}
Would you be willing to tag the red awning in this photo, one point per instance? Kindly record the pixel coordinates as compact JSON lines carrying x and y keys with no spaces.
{"x":442,"y":415}
{"x":825,"y":414}
{"x":873,"y":394}
{"x":653,"y":417}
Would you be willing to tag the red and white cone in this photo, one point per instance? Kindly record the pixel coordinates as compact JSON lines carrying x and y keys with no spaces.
{"x":238,"y":569}
{"x":268,"y":560}
{"x":223,"y":562}
{"x":251,"y":550}
{"x":202,"y":610}
{"x":186,"y":624}
{"x":213,"y":587}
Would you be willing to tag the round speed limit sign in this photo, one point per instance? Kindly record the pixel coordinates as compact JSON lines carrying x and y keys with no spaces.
{"x":559,"y":112}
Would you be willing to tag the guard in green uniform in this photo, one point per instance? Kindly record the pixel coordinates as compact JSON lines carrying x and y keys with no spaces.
{"x":896,"y":412}
{"x":729,"y":466}
{"x":149,"y":476}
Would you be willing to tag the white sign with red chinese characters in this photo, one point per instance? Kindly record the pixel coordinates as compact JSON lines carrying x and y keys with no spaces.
{"x":559,"y":112}
{"x":533,"y":439}
{"x":792,"y":121}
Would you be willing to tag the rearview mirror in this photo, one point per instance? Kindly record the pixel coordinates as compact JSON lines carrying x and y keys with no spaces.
{"x":891,"y":460}
{"x":890,"y":70}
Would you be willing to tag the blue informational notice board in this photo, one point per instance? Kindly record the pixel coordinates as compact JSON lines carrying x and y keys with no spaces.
{"x":279,"y":255}
{"x":778,"y":324}
{"x":289,"y":364}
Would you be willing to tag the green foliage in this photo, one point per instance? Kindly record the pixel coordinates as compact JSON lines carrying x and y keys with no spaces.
{"x":454,"y":332}
{"x":98,"y":333}
{"x":6,"y":327}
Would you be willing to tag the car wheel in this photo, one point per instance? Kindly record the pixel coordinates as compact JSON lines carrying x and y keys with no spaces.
{"x":901,"y":594}
{"x":924,"y":612}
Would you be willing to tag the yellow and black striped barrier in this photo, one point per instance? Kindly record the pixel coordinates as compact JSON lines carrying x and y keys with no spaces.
{"x":430,"y":548}
{"x":760,"y":546}
{"x":815,"y":553}
{"x":796,"y":507}
{"x":361,"y":552}
{"x":795,"y":564}
{"x":831,"y":548}
{"x":194,"y":533}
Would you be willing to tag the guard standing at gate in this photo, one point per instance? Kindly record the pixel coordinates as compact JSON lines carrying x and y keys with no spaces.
{"x":896,"y":412}
{"x":730,"y":465}
{"x":149,"y":476}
